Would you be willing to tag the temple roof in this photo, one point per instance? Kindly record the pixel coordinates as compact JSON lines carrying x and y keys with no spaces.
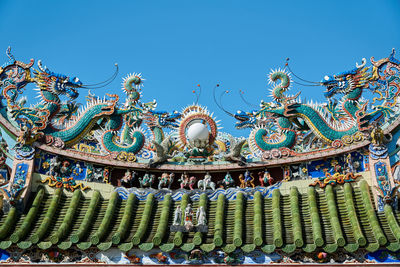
{"x":320,"y":219}
{"x":127,"y":131}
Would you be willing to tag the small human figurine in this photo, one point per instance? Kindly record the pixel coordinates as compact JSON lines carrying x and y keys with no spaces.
{"x":163,"y":180}
{"x":96,"y":175}
{"x":246,"y":179}
{"x":78,"y":169}
{"x":146,"y":180}
{"x":188,"y":217}
{"x":184,"y":180}
{"x":126,"y":181}
{"x":267,"y":178}
{"x":326,"y":172}
{"x":177,"y":216}
{"x":152,"y":178}
{"x":206,"y":182}
{"x":247,"y":176}
{"x":201,"y":216}
{"x":54,"y":166}
{"x":64,"y":170}
{"x":146,"y":177}
{"x":271,"y":179}
{"x":286,"y":173}
{"x":377,"y":135}
{"x":336,"y":168}
{"x":228,"y":180}
{"x":106,"y":175}
{"x":349,"y":163}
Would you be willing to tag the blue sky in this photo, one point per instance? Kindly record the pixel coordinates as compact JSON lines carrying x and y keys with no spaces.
{"x":179,"y":44}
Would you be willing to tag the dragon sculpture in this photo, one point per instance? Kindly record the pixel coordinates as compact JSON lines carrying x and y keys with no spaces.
{"x":157,"y":121}
{"x":278,"y":125}
{"x":117,"y":128}
{"x":127,"y":118}
{"x":332,"y":122}
{"x":266,"y":138}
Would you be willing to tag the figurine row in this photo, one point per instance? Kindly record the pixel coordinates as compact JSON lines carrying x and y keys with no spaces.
{"x":188,"y":182}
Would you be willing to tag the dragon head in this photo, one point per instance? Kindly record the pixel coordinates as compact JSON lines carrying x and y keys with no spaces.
{"x":347,"y":81}
{"x":163,"y":119}
{"x":267,"y":112}
{"x":58,"y":83}
{"x":245,"y":119}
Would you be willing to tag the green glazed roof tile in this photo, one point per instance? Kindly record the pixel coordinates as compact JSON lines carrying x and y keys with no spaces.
{"x":329,"y":218}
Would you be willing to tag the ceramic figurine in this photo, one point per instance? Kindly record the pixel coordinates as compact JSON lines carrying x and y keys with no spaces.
{"x":146,"y":180}
{"x":227,"y":181}
{"x":206,"y":182}
{"x":127,"y":180}
{"x":177,"y":216}
{"x":265,"y":177}
{"x":286,"y":173}
{"x":185,"y":181}
{"x":165,"y":180}
{"x":246,"y":179}
{"x":201,"y":216}
{"x":54,"y":166}
{"x":189,"y":217}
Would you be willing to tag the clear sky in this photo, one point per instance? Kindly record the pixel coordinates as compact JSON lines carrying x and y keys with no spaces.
{"x":179,"y":44}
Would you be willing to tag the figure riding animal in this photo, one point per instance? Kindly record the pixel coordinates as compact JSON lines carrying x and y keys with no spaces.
{"x":147,"y":180}
{"x":246,"y":180}
{"x":166,"y":180}
{"x":227,"y":181}
{"x":206,"y":183}
{"x":185,"y":181}
{"x":95,"y":175}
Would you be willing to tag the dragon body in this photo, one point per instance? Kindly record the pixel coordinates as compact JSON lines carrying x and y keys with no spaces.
{"x":157,"y":120}
{"x":261,"y":137}
{"x":60,"y":120}
{"x":331,"y":122}
{"x":110,"y":140}
{"x":127,"y":119}
{"x":116,"y":127}
{"x":317,"y":118}
{"x":75,"y":129}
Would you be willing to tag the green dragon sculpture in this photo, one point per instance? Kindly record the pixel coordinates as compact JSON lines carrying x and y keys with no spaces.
{"x":73,"y":130}
{"x":330,"y":123}
{"x":262,"y":138}
{"x":98,"y":113}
